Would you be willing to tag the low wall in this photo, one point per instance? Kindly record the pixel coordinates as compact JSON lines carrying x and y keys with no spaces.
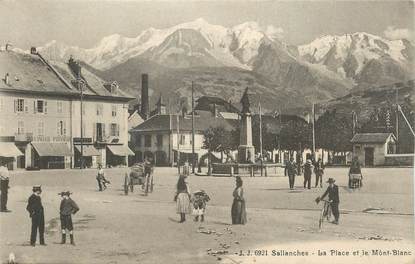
{"x":399,"y":160}
{"x":268,"y":169}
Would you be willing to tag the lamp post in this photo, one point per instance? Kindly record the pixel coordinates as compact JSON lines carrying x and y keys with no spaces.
{"x":193,"y":131}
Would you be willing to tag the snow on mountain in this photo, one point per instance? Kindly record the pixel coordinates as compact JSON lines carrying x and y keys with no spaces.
{"x":349,"y":54}
{"x":232,"y":46}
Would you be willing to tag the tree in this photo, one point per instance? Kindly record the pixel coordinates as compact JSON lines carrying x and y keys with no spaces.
{"x":296,"y":135}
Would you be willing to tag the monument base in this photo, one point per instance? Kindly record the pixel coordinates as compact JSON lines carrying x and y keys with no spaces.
{"x":246,"y":154}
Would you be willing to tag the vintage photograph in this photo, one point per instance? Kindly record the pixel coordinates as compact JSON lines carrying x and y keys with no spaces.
{"x":207,"y":132}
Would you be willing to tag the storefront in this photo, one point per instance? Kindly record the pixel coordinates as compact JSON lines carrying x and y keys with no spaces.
{"x":9,"y":154}
{"x":51,"y":155}
{"x":117,"y":155}
{"x":90,"y":156}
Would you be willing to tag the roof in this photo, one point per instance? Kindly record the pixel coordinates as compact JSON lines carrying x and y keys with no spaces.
{"x":207,"y":103}
{"x":31,"y":73}
{"x":203,"y":120}
{"x":370,"y":137}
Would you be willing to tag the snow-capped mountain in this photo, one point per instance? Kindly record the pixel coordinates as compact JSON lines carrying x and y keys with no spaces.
{"x":230,"y":46}
{"x":353,"y":56}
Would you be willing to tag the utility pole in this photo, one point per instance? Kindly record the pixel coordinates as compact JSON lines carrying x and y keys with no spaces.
{"x":314,"y":133}
{"x":178,"y":143}
{"x":193,"y":130}
{"x":80,"y":87}
{"x":397,"y":117}
{"x":260,"y":137}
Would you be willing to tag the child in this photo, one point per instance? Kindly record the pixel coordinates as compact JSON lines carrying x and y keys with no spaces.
{"x":67,"y":208}
{"x":200,"y":198}
{"x":102,"y":182}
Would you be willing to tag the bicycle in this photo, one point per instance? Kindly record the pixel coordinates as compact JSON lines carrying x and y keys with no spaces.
{"x":325,"y":212}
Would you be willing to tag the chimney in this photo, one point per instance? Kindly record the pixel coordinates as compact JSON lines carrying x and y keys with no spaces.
{"x":6,"y":79}
{"x":33,"y":50}
{"x":144,"y":96}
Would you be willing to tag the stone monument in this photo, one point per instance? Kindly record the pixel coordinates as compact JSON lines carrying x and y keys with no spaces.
{"x":246,"y":150}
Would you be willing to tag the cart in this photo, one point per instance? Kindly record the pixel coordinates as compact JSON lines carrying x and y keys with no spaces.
{"x":138,"y":177}
{"x":355,"y":180}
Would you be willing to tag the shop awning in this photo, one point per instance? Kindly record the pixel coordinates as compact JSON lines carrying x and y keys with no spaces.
{"x":52,"y":149}
{"x":88,"y":150}
{"x":120,"y":150}
{"x":9,"y":149}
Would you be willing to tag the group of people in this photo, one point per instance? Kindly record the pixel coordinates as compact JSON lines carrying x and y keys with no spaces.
{"x":67,"y":208}
{"x":195,"y":203}
{"x":292,"y":169}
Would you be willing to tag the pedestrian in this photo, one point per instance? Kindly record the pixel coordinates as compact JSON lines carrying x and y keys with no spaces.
{"x":319,"y":171}
{"x":308,"y":170}
{"x":102,"y":182}
{"x":333,"y":192}
{"x":355,"y":169}
{"x":182,"y":198}
{"x":238,"y":210}
{"x":36,"y":212}
{"x":4,"y":187}
{"x":290,"y":171}
{"x":67,"y":208}
{"x":200,"y":198}
{"x":186,"y":168}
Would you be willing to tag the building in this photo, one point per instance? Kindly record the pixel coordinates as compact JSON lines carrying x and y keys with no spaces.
{"x":41,"y":113}
{"x":163,"y":136}
{"x":372,"y":148}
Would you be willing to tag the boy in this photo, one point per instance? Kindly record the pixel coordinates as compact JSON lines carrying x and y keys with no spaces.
{"x":199,"y":204}
{"x":36,"y":212}
{"x":67,"y":208}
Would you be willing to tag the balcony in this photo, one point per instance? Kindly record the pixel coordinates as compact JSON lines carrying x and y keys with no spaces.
{"x":23,"y":137}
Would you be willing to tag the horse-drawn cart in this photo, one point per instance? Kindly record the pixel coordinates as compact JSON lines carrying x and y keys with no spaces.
{"x":138,"y":176}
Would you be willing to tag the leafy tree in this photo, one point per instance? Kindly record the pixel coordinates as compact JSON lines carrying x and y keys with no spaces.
{"x":296,"y":135}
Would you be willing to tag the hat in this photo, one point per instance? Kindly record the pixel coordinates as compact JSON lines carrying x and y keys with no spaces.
{"x":308,"y":161}
{"x":67,"y":193}
{"x":331,"y":180}
{"x":37,"y":188}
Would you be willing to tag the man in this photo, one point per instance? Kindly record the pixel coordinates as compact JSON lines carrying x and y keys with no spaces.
{"x":307,"y":174}
{"x":36,"y":212}
{"x":333,"y":192}
{"x":4,"y":187}
{"x":67,"y":208}
{"x":290,"y":171}
{"x":319,"y":171}
{"x":102,"y":182}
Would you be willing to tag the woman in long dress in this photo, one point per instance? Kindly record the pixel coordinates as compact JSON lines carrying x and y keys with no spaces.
{"x":182,"y":198}
{"x":238,"y":205}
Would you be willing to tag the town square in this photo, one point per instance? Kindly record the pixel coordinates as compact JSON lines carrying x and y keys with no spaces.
{"x":207,"y":132}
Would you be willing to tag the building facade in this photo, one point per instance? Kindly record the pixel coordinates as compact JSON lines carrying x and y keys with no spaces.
{"x":372,"y":148}
{"x":41,"y":114}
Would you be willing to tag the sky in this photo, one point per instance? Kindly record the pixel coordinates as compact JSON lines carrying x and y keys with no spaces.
{"x":27,"y":23}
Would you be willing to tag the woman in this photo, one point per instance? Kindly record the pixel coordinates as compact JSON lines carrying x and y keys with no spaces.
{"x":182,"y":198}
{"x":238,"y":205}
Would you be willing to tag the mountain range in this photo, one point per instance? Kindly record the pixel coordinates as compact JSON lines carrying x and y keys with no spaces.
{"x":223,"y":61}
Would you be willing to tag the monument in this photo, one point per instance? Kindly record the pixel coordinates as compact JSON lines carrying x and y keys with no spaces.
{"x":246,"y":150}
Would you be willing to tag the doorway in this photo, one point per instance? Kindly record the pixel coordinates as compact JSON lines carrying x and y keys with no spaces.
{"x":369,"y":156}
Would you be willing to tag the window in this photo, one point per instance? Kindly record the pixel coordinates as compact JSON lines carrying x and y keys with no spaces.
{"x":114,"y":130}
{"x":59,"y":107}
{"x":114,"y":110}
{"x":61,"y":129}
{"x":100,"y":109}
{"x":40,"y":128}
{"x":159,"y":140}
{"x":138,"y":141}
{"x":147,"y":141}
{"x":40,"y":106}
{"x":20,"y":127}
{"x":182,"y":139}
{"x":19,"y":105}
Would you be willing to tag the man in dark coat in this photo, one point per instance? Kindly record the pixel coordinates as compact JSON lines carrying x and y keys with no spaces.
{"x":67,"y":208}
{"x":307,"y":174}
{"x":4,"y":187}
{"x":333,"y":192}
{"x":290,"y":171}
{"x":36,"y":212}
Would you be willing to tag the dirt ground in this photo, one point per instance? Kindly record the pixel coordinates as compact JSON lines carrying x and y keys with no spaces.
{"x":114,"y":228}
